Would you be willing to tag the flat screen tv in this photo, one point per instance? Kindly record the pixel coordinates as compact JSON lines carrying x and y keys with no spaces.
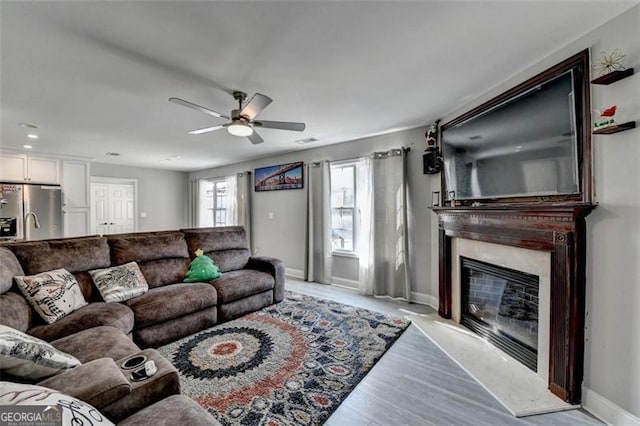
{"x":523,"y":145}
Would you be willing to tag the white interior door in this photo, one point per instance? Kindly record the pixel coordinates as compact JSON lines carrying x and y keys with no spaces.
{"x":112,"y":208}
{"x":121,"y":218}
{"x":99,"y":208}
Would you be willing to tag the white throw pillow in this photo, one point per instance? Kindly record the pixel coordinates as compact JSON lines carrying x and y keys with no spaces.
{"x":30,"y":358}
{"x":52,"y":403}
{"x":52,"y":294}
{"x":120,"y":283}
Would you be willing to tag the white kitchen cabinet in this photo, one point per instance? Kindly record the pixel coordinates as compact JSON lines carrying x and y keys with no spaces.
{"x":76,"y":222}
{"x":75,"y":184}
{"x":29,"y":169}
{"x":13,"y":167}
{"x":43,"y":170}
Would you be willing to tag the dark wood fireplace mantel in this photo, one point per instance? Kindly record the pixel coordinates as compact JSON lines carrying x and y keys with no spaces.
{"x":556,"y":228}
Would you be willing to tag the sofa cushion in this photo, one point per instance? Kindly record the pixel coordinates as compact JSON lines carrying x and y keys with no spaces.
{"x":97,"y":342}
{"x":16,"y":311}
{"x":174,"y":410}
{"x":120,"y":283}
{"x":236,"y":285}
{"x":76,"y":255}
{"x":93,"y":315}
{"x":30,"y":358}
{"x":52,"y":294}
{"x":171,"y":301}
{"x":165,"y":332}
{"x":9,"y":268}
{"x":74,"y":411}
{"x":162,"y":256}
{"x":98,"y":382}
{"x":228,"y":246}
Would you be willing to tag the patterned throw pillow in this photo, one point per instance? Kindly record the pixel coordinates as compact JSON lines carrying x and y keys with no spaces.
{"x":30,"y":358}
{"x":120,"y":283}
{"x":55,"y":405}
{"x":52,"y":294}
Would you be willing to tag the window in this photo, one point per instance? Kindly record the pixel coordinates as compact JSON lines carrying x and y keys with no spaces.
{"x":343,"y":195}
{"x":214,"y":203}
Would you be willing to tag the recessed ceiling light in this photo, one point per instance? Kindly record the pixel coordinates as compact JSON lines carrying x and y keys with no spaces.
{"x":28,"y":126}
{"x":32,"y":136}
{"x":112,"y":154}
{"x":27,"y":146}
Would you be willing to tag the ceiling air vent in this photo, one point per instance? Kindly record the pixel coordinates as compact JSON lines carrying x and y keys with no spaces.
{"x":306,"y":141}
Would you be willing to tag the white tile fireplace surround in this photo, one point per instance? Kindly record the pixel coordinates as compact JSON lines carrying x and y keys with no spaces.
{"x":530,"y":261}
{"x":522,"y":391}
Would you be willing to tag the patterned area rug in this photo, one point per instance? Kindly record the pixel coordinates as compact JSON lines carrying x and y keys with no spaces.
{"x":288,"y":364}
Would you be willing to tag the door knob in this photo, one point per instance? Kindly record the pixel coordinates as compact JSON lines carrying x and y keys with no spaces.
{"x":104,"y":223}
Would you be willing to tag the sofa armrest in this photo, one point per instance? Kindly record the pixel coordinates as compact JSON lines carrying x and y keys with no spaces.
{"x":98,"y":382}
{"x":274,"y":267}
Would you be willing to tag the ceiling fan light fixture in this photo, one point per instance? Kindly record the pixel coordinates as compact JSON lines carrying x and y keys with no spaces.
{"x":238,"y":128}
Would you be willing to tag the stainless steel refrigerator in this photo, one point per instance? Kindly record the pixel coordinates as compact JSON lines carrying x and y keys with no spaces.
{"x":30,"y":212}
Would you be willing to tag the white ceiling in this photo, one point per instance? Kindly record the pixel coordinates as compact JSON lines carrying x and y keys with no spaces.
{"x":95,"y":76}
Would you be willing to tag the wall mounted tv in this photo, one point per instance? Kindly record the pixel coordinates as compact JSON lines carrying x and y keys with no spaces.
{"x":525,"y":143}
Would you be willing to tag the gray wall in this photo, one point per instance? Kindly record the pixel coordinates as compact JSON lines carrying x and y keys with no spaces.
{"x":162,"y":194}
{"x":612,"y":351}
{"x":284,"y":235}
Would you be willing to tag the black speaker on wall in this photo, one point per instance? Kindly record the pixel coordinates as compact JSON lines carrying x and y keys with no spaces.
{"x":431,"y":161}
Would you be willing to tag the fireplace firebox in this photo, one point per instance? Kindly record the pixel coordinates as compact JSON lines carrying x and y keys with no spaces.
{"x":501,"y":305}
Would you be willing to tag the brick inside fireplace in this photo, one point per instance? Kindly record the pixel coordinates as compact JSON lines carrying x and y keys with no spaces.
{"x":501,"y":304}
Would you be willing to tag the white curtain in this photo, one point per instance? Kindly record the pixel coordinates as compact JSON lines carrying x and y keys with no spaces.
{"x":231,"y":200}
{"x":192,"y":204}
{"x":243,"y":202}
{"x":364,"y":203}
{"x":318,"y":233}
{"x":383,"y":245}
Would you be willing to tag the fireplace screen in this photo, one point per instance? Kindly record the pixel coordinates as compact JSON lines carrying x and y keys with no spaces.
{"x":501,"y":305}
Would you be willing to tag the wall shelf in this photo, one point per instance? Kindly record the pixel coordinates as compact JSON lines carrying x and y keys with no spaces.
{"x":616,"y":128}
{"x":613,"y":76}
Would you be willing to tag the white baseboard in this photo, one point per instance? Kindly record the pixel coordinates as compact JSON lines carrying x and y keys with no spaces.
{"x":607,"y":411}
{"x":294,"y":273}
{"x":425,"y":299}
{"x":343,"y":282}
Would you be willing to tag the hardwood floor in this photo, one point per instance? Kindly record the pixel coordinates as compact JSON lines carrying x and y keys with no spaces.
{"x":415,"y":383}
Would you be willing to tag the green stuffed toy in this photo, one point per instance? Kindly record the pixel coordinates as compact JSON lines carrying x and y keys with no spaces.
{"x":202,"y":269}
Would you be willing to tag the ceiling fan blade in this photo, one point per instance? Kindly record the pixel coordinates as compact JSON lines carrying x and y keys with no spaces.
{"x":256,"y":104}
{"x":191,"y":105}
{"x":283,"y":125}
{"x":255,"y":138}
{"x":207,"y":129}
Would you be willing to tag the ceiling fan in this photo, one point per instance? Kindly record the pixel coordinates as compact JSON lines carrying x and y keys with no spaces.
{"x":242,"y":120}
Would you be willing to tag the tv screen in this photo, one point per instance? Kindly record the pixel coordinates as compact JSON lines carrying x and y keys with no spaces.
{"x":523,"y":147}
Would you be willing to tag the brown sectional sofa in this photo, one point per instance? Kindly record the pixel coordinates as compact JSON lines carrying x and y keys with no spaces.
{"x":99,"y":333}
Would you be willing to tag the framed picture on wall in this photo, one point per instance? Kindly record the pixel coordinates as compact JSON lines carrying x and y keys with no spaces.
{"x":282,"y":176}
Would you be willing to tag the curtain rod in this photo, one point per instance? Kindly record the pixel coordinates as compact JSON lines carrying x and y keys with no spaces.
{"x":345,"y":160}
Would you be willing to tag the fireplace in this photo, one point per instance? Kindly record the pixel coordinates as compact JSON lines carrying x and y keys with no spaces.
{"x":501,"y":305}
{"x":556,"y":231}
